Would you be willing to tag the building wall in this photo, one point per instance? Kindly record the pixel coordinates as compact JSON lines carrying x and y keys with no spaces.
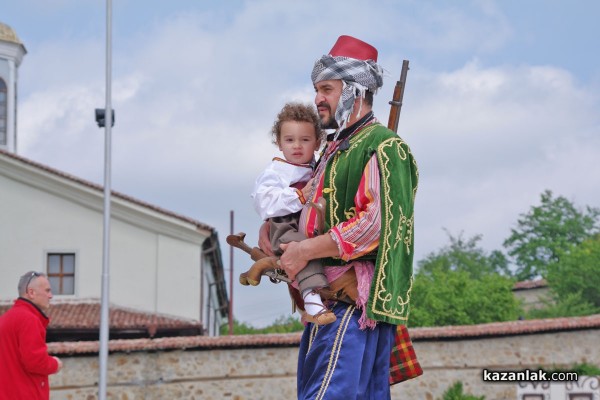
{"x":11,"y":55}
{"x":4,"y":70}
{"x":534,"y":297}
{"x":269,"y":373}
{"x":155,"y":260}
{"x":34,"y":222}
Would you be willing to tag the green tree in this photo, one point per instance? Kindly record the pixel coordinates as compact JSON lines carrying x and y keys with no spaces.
{"x":546,"y":232}
{"x":465,"y":255}
{"x":577,"y":272}
{"x":283,"y":324}
{"x":455,"y":392}
{"x":570,"y":305}
{"x":574,"y":282}
{"x":454,"y":298}
{"x":462,"y":285}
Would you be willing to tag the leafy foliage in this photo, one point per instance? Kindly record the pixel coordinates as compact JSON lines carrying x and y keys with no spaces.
{"x":455,"y":392}
{"x":582,"y":369}
{"x":546,"y":232}
{"x":577,"y":272}
{"x":283,"y":324}
{"x":462,"y":285}
{"x":585,"y":369}
{"x":465,"y":255}
{"x":571,"y":305}
{"x":454,"y":298}
{"x":574,"y":282}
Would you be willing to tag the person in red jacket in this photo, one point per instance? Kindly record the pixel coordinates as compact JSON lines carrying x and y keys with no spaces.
{"x":24,"y":360}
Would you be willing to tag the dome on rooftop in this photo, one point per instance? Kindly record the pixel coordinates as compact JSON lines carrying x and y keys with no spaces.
{"x":8,"y":34}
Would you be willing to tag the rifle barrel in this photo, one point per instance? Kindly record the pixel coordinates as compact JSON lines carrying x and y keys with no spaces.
{"x":396,"y":102}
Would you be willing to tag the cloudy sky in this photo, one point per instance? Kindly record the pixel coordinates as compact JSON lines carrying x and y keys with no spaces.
{"x":502,"y":102}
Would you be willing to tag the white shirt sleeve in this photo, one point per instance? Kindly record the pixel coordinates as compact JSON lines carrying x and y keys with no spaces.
{"x":272,"y":194}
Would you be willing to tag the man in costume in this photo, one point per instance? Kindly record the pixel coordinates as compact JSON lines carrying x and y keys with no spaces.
{"x":24,"y":360}
{"x":368,"y":178}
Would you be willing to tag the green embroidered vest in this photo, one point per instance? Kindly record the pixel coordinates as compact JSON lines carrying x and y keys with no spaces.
{"x":390,"y":290}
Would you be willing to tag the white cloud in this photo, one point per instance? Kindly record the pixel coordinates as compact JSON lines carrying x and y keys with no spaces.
{"x":489,"y":140}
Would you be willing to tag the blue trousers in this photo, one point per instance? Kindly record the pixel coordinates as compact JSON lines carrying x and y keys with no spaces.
{"x":340,"y":361}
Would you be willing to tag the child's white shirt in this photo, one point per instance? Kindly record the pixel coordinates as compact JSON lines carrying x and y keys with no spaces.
{"x":273,"y":195}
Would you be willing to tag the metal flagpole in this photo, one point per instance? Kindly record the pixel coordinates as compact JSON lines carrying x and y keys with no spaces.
{"x":230,"y":311}
{"x":104,"y":315}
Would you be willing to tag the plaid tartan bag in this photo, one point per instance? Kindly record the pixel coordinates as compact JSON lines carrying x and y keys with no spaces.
{"x":403,"y":359}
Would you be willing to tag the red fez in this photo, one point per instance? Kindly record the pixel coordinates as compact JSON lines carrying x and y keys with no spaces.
{"x":348,"y":46}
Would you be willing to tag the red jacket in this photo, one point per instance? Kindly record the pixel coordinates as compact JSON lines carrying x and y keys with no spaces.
{"x":24,"y":360}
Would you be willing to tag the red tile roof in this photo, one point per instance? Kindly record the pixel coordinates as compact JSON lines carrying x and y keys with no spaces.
{"x":293,"y":339}
{"x":509,"y":328}
{"x":182,"y":343}
{"x":85,"y":314}
{"x":536,"y":284}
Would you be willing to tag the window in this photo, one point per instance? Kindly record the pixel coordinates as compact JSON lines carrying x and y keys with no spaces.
{"x":61,"y":272}
{"x":3,"y":112}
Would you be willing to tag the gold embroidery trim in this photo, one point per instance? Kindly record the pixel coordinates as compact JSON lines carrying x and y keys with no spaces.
{"x":333,"y":204}
{"x":313,"y":333}
{"x":392,"y":308}
{"x":335,"y":351}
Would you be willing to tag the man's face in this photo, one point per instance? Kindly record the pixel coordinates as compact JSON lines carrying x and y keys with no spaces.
{"x":40,"y":293}
{"x":326,"y":99}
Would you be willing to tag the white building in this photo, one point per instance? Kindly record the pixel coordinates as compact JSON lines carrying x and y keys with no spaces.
{"x":11,"y":55}
{"x":160,"y":262}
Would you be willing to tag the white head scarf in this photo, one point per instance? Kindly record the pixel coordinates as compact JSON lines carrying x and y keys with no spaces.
{"x":357,"y":76}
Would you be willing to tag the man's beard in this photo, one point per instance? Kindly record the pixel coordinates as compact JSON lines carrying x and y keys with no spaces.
{"x":330,"y":122}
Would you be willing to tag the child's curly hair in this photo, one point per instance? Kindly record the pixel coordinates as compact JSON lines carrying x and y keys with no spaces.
{"x":297,"y":112}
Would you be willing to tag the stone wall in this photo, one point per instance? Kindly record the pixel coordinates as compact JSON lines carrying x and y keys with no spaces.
{"x":445,"y":362}
{"x":263,"y":366}
{"x":258,"y":373}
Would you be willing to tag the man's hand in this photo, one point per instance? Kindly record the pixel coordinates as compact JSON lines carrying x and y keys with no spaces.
{"x":297,"y":254}
{"x":293,"y":259}
{"x":60,"y":364}
{"x":263,"y":239}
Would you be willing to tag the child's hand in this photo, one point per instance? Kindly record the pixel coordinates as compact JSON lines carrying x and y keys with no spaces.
{"x":264,"y":242}
{"x":307,"y":189}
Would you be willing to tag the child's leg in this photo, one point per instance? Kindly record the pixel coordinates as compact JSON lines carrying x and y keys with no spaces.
{"x":283,"y":230}
{"x":312,"y":277}
{"x":310,"y":280}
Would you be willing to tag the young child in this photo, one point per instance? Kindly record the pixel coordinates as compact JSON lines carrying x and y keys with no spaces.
{"x":280,"y":192}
